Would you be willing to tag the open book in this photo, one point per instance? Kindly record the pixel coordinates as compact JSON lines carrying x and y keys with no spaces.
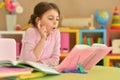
{"x":29,"y":64}
{"x":87,"y":56}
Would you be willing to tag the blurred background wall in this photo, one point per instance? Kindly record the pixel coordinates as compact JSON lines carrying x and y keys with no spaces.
{"x":69,"y":8}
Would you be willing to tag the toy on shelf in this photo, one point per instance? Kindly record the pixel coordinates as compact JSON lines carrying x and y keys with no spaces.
{"x":27,"y":26}
{"x":18,"y":28}
{"x":102,"y":18}
{"x":116,"y":19}
{"x":86,"y":22}
{"x":112,"y":60}
{"x":116,"y":46}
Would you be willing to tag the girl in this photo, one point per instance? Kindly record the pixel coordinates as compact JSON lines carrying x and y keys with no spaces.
{"x":41,"y":43}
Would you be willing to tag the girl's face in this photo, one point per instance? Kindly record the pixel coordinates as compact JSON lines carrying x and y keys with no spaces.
{"x":50,"y":19}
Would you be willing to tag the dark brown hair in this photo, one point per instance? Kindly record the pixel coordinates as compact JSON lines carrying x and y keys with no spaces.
{"x":40,"y":9}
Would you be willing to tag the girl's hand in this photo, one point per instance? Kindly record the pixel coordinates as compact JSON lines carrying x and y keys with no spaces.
{"x":42,"y":30}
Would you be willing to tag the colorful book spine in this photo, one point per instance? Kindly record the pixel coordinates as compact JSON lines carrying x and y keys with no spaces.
{"x":100,"y":40}
{"x":84,"y":40}
{"x":89,"y":41}
{"x":92,"y":40}
{"x":65,"y":42}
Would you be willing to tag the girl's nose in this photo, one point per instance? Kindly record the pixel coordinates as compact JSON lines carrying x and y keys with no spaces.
{"x":54,"y":22}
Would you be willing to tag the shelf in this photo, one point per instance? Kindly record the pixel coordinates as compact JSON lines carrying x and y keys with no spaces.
{"x":94,"y":34}
{"x":12,"y":33}
{"x":76,"y":31}
{"x":72,"y":35}
{"x":112,"y":34}
{"x":17,"y":35}
{"x":112,"y":60}
{"x":63,"y":55}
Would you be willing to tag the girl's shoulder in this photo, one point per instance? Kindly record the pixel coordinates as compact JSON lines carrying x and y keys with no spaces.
{"x":31,"y":30}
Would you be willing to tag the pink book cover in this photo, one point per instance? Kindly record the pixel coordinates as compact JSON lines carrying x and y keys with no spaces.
{"x":64,"y":42}
{"x":87,"y":56}
{"x":14,"y":71}
{"x":100,"y":52}
{"x":78,"y":54}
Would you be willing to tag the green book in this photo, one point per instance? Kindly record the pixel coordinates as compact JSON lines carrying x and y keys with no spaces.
{"x":89,"y":41}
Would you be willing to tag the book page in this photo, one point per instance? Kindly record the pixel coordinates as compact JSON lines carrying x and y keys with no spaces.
{"x":86,"y":55}
{"x":42,"y":67}
{"x":29,"y":64}
{"x":101,"y":50}
{"x":78,"y":54}
{"x":11,"y":63}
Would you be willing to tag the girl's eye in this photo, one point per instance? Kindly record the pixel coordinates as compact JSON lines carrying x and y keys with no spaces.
{"x":50,"y":18}
{"x":57,"y":19}
{"x":53,"y":19}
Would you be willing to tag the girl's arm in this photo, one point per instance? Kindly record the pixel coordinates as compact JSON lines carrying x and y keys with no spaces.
{"x":43,"y":34}
{"x":28,"y":45}
{"x":54,"y":60}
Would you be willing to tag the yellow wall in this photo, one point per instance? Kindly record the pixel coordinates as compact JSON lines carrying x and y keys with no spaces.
{"x":68,"y":8}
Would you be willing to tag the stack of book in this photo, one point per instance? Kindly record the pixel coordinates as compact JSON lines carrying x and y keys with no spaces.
{"x":24,"y":70}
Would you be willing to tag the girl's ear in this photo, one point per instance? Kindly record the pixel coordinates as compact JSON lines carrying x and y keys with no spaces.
{"x":37,"y":19}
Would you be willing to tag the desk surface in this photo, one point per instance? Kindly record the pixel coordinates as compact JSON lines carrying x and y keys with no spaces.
{"x":96,"y":73}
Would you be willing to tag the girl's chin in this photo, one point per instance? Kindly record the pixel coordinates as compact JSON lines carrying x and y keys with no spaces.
{"x":49,"y":34}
